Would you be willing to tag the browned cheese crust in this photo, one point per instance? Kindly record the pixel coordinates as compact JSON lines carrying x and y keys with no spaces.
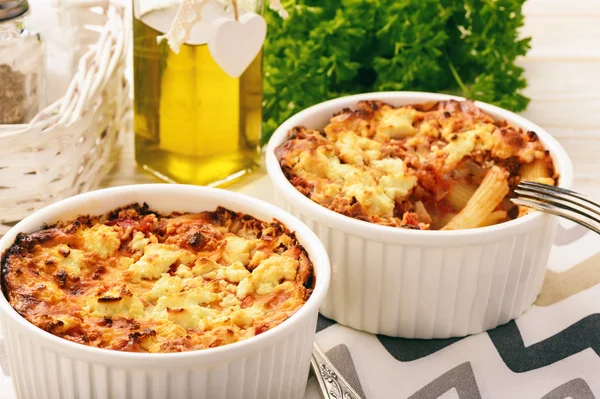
{"x":134,"y":280}
{"x":399,"y":166}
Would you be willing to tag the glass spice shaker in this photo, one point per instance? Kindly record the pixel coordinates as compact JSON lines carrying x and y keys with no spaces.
{"x":22,"y":65}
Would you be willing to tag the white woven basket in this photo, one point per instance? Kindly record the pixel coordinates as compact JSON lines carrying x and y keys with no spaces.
{"x":66,"y":148}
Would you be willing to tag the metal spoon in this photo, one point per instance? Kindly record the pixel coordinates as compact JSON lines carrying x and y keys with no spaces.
{"x":333,"y":385}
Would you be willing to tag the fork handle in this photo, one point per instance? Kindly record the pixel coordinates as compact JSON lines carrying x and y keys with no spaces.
{"x":333,"y":385}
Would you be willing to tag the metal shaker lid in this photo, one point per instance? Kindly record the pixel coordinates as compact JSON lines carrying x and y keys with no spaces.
{"x":10,"y":9}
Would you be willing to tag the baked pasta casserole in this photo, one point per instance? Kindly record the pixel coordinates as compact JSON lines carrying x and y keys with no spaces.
{"x":135,"y":280}
{"x":444,"y":165}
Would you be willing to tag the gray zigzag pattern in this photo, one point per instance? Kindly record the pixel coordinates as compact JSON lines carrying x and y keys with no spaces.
{"x":460,"y":377}
{"x":574,"y":389}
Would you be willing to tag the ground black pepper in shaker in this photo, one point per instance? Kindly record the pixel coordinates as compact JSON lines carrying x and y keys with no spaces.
{"x":22,"y":64}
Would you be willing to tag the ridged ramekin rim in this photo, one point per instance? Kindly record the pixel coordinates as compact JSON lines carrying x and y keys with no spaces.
{"x":395,"y":235}
{"x":317,"y":253}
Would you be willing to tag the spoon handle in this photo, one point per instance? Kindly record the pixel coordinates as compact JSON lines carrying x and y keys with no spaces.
{"x":332,"y":384}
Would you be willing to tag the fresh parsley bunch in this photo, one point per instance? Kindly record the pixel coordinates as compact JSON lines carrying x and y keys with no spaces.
{"x":327,"y":49}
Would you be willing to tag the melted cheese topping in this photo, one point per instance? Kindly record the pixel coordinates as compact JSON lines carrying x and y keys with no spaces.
{"x":396,"y":166}
{"x":136,"y":281}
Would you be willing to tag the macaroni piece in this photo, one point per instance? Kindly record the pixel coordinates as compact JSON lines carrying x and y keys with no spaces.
{"x":134,"y":280}
{"x":445,"y":165}
{"x":481,"y":205}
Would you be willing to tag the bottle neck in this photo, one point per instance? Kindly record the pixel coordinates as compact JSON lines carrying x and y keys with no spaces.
{"x":10,"y":9}
{"x":10,"y":30}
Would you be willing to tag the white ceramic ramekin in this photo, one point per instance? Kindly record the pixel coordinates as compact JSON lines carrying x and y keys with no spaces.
{"x":423,"y":284}
{"x":272,"y":365}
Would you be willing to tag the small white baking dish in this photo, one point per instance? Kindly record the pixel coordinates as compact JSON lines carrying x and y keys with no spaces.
{"x":423,"y":284}
{"x":273,"y":364}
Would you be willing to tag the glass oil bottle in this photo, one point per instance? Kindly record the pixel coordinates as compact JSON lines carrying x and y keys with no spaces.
{"x":193,"y":123}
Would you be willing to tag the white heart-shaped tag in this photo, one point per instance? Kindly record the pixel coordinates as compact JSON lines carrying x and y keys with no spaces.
{"x":234,"y":44}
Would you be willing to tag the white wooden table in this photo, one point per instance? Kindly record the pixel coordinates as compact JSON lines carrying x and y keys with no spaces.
{"x":563,"y":71}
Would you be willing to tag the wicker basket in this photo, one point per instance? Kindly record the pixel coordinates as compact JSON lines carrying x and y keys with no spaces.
{"x":65,"y":149}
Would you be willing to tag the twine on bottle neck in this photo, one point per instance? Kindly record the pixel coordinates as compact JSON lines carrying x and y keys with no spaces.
{"x":235,"y":9}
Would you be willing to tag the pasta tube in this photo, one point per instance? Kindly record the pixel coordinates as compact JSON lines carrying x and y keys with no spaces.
{"x":459,"y":194}
{"x":494,"y":218}
{"x":488,"y":196}
{"x":422,"y":212}
{"x":536,"y":171}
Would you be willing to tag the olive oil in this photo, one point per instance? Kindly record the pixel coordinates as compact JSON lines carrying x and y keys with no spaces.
{"x":193,"y":123}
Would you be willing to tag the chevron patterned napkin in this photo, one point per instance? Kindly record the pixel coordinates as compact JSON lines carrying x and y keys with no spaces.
{"x":551,"y":352}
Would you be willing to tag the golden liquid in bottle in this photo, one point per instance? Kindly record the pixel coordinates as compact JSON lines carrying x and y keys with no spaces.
{"x":193,"y":123}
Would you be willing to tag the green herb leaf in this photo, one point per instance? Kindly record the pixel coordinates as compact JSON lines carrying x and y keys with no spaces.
{"x":327,"y":49}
